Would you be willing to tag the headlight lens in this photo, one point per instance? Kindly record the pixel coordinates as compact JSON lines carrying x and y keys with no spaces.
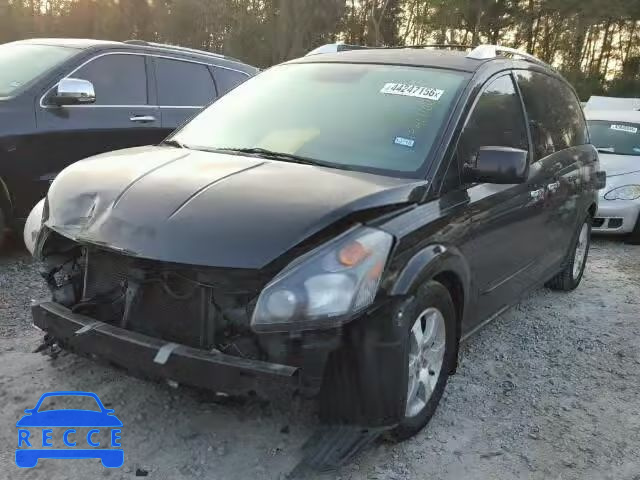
{"x":324,"y":287}
{"x":627,"y":192}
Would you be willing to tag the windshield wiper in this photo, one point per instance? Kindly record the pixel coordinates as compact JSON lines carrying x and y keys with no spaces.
{"x":173,"y":143}
{"x":285,"y":157}
{"x":263,"y":152}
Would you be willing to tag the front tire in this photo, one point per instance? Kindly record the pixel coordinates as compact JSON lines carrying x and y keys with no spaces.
{"x":430,"y":354}
{"x":573,"y":267}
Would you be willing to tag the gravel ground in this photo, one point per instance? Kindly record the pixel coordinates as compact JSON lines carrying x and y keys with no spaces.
{"x":550,"y":390}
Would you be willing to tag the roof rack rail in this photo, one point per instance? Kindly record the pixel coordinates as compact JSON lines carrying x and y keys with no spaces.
{"x":485,"y":52}
{"x":180,"y":49}
{"x":336,"y":47}
{"x":136,"y":42}
{"x":343,"y":47}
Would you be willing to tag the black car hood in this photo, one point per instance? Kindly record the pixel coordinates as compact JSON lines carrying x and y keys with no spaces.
{"x":208,"y":209}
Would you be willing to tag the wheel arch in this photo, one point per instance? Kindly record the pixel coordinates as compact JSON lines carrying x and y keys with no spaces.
{"x":453,"y":284}
{"x":444,"y":264}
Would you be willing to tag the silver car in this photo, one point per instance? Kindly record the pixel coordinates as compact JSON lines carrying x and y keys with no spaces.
{"x":616,"y":134}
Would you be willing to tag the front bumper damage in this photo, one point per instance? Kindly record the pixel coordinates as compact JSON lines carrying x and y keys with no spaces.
{"x":156,"y":358}
{"x":191,"y":325}
{"x":358,"y":399}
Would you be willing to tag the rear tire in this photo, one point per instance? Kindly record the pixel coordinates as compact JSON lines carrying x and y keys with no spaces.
{"x":573,"y":267}
{"x":430,"y":350}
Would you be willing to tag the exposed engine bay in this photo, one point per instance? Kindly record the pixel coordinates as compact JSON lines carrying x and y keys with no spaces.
{"x":207,"y":309}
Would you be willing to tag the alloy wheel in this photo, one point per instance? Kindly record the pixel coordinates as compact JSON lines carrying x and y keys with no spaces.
{"x":427,"y":340}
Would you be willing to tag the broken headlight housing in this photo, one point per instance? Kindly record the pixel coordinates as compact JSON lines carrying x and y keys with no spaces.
{"x":327,"y":286}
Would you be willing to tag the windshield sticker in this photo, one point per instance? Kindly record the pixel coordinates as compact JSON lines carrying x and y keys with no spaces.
{"x":624,"y":128}
{"x":405,"y":142}
{"x":412,"y":91}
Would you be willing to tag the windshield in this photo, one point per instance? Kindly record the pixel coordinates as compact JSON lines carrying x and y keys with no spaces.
{"x":377,"y":118}
{"x":622,"y":138}
{"x":21,"y":64}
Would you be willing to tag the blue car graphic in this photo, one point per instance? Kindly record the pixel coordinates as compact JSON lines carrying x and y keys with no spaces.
{"x":28,"y":457}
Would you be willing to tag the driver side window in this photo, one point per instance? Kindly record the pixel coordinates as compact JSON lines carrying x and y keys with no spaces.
{"x":497,"y":120}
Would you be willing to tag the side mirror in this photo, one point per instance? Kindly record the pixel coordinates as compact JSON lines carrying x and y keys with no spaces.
{"x":73,"y":91}
{"x":503,"y":165}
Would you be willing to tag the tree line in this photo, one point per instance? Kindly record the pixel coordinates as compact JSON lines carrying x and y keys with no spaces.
{"x":594,"y":43}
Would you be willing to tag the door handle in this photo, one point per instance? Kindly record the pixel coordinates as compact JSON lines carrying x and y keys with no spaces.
{"x":143,"y":118}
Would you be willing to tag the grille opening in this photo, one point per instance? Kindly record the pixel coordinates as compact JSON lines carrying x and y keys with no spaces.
{"x":169,"y":302}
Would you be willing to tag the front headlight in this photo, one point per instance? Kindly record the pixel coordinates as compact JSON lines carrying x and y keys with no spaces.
{"x":323,"y":288}
{"x":627,"y":192}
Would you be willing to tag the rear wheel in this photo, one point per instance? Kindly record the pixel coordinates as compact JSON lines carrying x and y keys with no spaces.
{"x":573,"y":268}
{"x":430,"y":350}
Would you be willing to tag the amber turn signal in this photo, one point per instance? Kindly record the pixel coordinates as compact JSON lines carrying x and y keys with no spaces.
{"x":353,"y":254}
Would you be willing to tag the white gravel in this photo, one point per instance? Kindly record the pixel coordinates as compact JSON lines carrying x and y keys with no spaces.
{"x":550,"y":390}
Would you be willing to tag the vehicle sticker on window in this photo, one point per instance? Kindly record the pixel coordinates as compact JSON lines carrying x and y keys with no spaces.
{"x":412,"y":91}
{"x":405,"y":142}
{"x":624,"y":128}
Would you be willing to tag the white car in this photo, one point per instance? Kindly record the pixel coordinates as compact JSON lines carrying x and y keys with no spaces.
{"x":616,"y":134}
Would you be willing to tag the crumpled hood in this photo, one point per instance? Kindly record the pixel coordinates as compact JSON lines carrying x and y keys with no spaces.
{"x":208,"y":209}
{"x":616,"y":165}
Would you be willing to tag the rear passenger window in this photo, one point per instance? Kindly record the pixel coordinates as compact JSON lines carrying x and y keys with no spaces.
{"x":183,"y":83}
{"x":497,"y":120}
{"x":117,"y":79}
{"x":555,"y":115}
{"x":228,"y":79}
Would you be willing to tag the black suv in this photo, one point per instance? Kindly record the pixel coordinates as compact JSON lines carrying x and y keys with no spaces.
{"x":339,"y":223}
{"x":62,"y":100}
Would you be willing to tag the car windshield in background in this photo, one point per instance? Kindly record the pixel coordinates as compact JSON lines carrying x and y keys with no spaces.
{"x":621,"y":138}
{"x":21,"y":64}
{"x":377,"y":118}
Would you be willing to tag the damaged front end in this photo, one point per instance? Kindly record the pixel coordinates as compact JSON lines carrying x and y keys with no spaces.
{"x":182,"y":323}
{"x":197,"y":325}
{"x":226,"y":281}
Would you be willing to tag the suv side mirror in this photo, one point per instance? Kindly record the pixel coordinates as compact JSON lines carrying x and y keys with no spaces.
{"x":73,"y":91}
{"x":504,"y":165}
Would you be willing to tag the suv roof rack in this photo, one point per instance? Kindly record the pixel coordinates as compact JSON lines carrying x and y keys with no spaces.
{"x":336,"y":47}
{"x":485,"y":52}
{"x":343,"y":47}
{"x":136,"y":42}
{"x":180,"y":49}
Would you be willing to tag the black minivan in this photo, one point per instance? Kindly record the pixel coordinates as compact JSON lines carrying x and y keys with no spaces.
{"x":339,"y":224}
{"x":62,"y":100}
